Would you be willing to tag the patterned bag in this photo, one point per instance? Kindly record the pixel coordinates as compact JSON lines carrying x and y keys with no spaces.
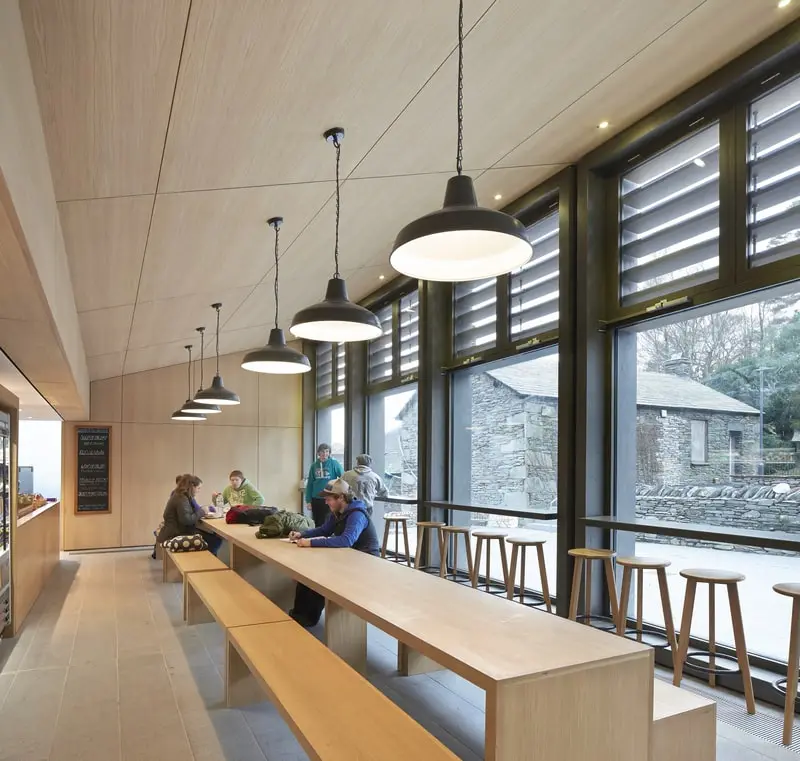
{"x":186,"y":543}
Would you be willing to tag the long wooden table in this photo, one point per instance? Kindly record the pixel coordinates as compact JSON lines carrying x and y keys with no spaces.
{"x":555,"y":689}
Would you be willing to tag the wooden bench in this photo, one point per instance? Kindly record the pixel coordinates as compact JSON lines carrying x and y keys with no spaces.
{"x":684,"y":725}
{"x":306,"y":682}
{"x":225,"y":597}
{"x":178,"y":565}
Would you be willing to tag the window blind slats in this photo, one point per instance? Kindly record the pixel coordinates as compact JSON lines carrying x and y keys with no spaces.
{"x":409,"y":333}
{"x":475,"y":312}
{"x":400,"y":336}
{"x":533,"y":288}
{"x":324,"y":372}
{"x":669,"y":219}
{"x":379,"y":351}
{"x":774,"y":175}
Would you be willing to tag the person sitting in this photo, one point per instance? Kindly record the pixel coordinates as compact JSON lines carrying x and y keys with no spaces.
{"x":348,"y":525}
{"x":239,"y":492}
{"x":365,"y":482}
{"x":182,"y":512}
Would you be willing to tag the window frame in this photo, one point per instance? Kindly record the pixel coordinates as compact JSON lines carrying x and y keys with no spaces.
{"x":556,"y":193}
{"x":701,"y":438}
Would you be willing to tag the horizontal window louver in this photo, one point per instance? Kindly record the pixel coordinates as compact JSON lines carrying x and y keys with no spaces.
{"x":669,"y":220}
{"x":381,"y":349}
{"x":341,"y":369}
{"x":409,"y":334}
{"x":324,"y":372}
{"x":474,"y":316}
{"x":774,"y":175}
{"x":534,"y":287}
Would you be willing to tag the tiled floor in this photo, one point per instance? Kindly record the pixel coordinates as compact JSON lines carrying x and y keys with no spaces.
{"x":105,"y":670}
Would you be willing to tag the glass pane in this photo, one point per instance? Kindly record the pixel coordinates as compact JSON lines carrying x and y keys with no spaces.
{"x":669,"y":220}
{"x":392,"y":439}
{"x":330,"y":430}
{"x":708,"y":428}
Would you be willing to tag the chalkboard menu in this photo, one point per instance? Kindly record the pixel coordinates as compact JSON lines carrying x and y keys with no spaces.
{"x":94,"y":470}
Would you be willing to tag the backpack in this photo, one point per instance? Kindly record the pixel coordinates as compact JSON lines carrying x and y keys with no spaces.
{"x":282,"y":523}
{"x":252,"y":516}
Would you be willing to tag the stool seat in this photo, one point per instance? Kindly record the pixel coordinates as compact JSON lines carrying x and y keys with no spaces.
{"x":431,"y":524}
{"x":391,"y":517}
{"x":456,"y":529}
{"x":527,"y":542}
{"x":489,"y":534}
{"x":646,"y":564}
{"x":712,"y":575}
{"x":788,"y":589}
{"x":591,"y":553}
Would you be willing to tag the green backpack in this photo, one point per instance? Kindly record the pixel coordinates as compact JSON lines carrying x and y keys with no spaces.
{"x":282,"y":523}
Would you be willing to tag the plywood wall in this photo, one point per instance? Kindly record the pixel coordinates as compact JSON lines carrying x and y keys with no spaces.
{"x":262,"y":437}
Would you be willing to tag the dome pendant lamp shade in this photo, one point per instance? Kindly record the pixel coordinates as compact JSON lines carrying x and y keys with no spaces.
{"x":180,"y":414}
{"x":461,"y":241}
{"x":276,"y":357}
{"x":193,"y":406}
{"x":336,"y":319}
{"x":216,"y":393}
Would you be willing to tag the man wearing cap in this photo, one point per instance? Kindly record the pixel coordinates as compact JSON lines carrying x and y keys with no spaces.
{"x":348,"y":525}
{"x":365,"y":482}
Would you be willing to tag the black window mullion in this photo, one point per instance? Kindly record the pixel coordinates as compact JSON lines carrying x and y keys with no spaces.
{"x":732,"y":196}
{"x":396,"y":340}
{"x":503,"y":325}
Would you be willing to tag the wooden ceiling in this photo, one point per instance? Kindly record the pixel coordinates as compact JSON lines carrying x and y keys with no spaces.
{"x":175,"y":128}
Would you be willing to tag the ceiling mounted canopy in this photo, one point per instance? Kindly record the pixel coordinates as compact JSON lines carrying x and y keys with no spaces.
{"x":216,"y":393}
{"x":336,"y":319}
{"x":276,"y":357}
{"x":193,"y":406}
{"x":461,"y":241}
{"x":180,"y":414}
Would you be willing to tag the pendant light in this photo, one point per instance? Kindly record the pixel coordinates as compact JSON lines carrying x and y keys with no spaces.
{"x":276,"y":357}
{"x":336,"y":319}
{"x":216,"y":393}
{"x":461,"y":241}
{"x":179,"y":414}
{"x":193,"y":406}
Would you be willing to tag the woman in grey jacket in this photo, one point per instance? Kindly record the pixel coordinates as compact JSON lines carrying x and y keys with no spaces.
{"x":181,"y":515}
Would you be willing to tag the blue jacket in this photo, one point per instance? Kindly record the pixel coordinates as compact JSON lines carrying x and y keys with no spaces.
{"x":319,"y":474}
{"x":350,"y":528}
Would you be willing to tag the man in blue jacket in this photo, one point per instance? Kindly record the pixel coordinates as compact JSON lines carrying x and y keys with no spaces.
{"x":348,"y":525}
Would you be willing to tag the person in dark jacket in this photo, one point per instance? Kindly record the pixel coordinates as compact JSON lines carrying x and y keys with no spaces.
{"x":182,"y":512}
{"x":348,"y":525}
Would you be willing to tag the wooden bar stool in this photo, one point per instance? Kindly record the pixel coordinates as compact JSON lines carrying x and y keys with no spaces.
{"x":589,"y":555}
{"x":422,"y":528}
{"x":489,"y":537}
{"x":446,"y":533}
{"x":789,"y":685}
{"x":712,"y":577}
{"x":640,"y":565}
{"x":516,"y":545}
{"x":397,"y":521}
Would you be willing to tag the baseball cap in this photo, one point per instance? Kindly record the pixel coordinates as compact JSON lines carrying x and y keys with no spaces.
{"x":336,"y":488}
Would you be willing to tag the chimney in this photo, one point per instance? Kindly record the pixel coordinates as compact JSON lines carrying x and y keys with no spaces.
{"x":677,"y":366}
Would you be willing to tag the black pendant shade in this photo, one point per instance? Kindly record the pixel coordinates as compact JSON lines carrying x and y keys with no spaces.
{"x":461,"y":241}
{"x":336,"y":319}
{"x":216,"y":393}
{"x":276,"y":357}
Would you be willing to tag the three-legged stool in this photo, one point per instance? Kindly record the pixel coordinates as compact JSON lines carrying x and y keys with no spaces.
{"x":589,"y":555}
{"x":397,"y":521}
{"x":455,"y":575}
{"x":488,"y":537}
{"x":640,"y":565}
{"x":523,"y":544}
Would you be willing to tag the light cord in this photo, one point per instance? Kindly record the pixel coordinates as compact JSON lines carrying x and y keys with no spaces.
{"x":201,"y":331}
{"x":277,"y":236}
{"x":217,"y":307}
{"x":460,"y":104}
{"x":338,"y":146}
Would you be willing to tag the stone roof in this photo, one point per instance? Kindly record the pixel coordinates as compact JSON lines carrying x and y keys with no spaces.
{"x":662,"y":390}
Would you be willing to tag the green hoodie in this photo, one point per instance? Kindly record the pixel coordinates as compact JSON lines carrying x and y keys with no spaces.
{"x":246,"y":494}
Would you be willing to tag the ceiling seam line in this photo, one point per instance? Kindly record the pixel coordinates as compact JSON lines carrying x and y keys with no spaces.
{"x":158,"y":178}
{"x":597,"y":84}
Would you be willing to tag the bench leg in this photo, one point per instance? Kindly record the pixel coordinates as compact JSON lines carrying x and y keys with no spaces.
{"x":268,"y":580}
{"x":196,"y":610}
{"x":241,"y":687}
{"x":411,"y":662}
{"x":346,"y":635}
{"x":170,"y":573}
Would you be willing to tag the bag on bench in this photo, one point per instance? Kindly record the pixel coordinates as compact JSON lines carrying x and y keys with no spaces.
{"x":282,"y":523}
{"x":185,"y":543}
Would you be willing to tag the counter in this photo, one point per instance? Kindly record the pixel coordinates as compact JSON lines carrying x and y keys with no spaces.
{"x":34,"y":555}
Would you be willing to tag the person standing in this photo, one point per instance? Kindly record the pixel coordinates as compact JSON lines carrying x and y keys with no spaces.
{"x":365,"y":482}
{"x":324,"y":470}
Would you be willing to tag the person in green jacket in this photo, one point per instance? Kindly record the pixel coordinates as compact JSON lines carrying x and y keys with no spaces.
{"x":240,"y":492}
{"x":324,"y":469}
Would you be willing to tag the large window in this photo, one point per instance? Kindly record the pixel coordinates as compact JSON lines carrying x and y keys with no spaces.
{"x":669,"y":219}
{"x":708,"y":428}
{"x":330,"y":429}
{"x":393,"y":439}
{"x":330,"y":372}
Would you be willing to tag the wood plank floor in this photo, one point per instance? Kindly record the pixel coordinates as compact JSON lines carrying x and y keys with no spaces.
{"x":106,"y":670}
